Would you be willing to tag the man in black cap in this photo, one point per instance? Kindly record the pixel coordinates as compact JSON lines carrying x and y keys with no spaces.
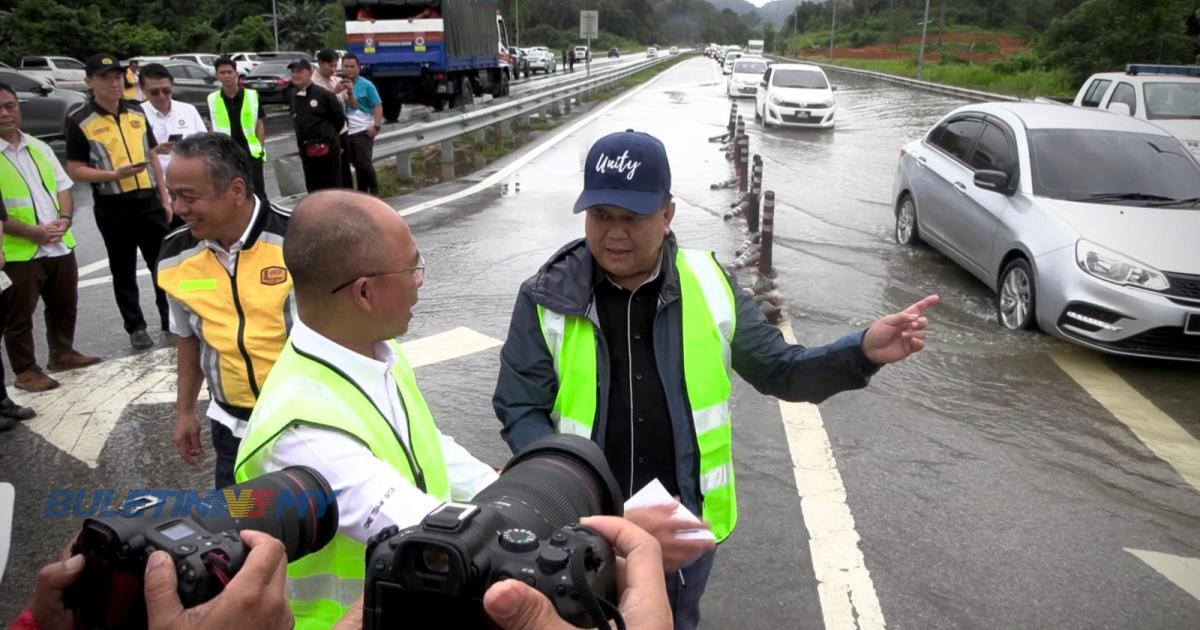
{"x":318,"y":118}
{"x":110,"y":144}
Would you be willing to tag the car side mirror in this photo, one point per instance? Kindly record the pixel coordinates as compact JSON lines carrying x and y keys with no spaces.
{"x":995,"y":181}
{"x":833,"y":88}
{"x":1120,"y":108}
{"x":43,"y":90}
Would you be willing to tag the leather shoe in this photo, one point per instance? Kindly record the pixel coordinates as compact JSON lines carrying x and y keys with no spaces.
{"x":140,"y":340}
{"x":71,"y":360}
{"x":10,"y":409}
{"x":35,"y":381}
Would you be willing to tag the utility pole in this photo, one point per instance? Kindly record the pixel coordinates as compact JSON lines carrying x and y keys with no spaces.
{"x":517,"y":19}
{"x":832,"y":29}
{"x":921,"y":54}
{"x":796,"y":28}
{"x":275,"y":23}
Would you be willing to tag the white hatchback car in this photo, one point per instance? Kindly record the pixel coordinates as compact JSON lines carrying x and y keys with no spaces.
{"x":795,"y":95}
{"x":730,"y":57}
{"x":747,"y":73}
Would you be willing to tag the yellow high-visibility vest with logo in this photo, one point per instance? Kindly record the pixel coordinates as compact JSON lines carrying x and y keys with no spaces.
{"x":248,"y":117}
{"x":709,"y":320}
{"x":18,"y":200}
{"x":302,"y":389}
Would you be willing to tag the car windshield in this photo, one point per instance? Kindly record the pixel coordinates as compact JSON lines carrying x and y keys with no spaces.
{"x":1172,"y":101}
{"x":1103,"y":166}
{"x":808,"y":79}
{"x":68,"y":64}
{"x":750,"y":67}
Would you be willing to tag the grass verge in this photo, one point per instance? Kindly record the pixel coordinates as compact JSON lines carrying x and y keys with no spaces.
{"x":1023,"y":83}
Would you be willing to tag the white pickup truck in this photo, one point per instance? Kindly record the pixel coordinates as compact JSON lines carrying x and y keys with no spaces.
{"x":1168,"y":96}
{"x":59,"y":71}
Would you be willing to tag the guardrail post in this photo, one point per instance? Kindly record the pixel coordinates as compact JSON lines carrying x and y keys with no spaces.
{"x":765,"y":266}
{"x":752,"y":212}
{"x":505,"y":127}
{"x":566,"y":102}
{"x":481,"y":136}
{"x":404,"y":165}
{"x":448,"y":151}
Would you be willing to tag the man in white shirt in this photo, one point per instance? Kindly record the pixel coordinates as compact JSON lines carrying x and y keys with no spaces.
{"x":39,"y":248}
{"x":342,"y":399}
{"x":170,"y":120}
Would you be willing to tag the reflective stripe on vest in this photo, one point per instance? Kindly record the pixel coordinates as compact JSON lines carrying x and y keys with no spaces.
{"x":18,"y":200}
{"x":304,"y":390}
{"x":709,"y":320}
{"x":248,"y":116}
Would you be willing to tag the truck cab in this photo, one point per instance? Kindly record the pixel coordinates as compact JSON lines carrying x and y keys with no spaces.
{"x":1168,"y":96}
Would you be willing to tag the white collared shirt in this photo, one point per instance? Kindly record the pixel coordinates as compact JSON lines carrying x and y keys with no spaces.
{"x":371,"y":494}
{"x":183,"y":120}
{"x":43,"y":202}
{"x":179,"y":318}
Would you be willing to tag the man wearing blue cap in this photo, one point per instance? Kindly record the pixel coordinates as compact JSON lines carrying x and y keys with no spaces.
{"x":628,"y":339}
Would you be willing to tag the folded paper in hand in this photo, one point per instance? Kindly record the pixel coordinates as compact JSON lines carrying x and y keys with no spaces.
{"x":653,"y":494}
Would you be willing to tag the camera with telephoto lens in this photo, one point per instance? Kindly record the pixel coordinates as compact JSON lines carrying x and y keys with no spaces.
{"x":523,"y":527}
{"x":295,"y":505}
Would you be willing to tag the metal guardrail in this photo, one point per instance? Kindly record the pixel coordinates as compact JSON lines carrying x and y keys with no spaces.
{"x":447,"y":127}
{"x":974,"y":95}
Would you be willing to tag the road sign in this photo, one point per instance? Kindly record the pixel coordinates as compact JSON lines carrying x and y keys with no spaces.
{"x":589,"y":24}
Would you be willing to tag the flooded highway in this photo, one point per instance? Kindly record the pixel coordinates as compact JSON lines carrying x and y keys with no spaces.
{"x":997,"y":479}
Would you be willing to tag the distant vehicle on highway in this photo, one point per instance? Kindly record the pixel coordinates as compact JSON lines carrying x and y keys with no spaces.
{"x":540,"y":59}
{"x":674,"y":50}
{"x":651,"y":52}
{"x":795,"y":95}
{"x":613,"y":53}
{"x":59,"y":71}
{"x":520,"y":62}
{"x":1168,"y":96}
{"x":246,"y":62}
{"x":44,"y":108}
{"x":582,"y":53}
{"x":747,"y":74}
{"x":754,"y":47}
{"x":192,"y":83}
{"x":273,"y":82}
{"x":204,"y":59}
{"x":1084,"y":223}
{"x":730,"y":57}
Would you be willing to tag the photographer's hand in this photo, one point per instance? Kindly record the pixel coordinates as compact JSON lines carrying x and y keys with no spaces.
{"x":254,"y":599}
{"x":659,"y":522}
{"x":47,"y":607}
{"x":640,"y":580}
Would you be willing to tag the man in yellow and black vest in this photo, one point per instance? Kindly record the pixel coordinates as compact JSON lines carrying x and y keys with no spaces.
{"x":229,"y":292}
{"x":39,"y":248}
{"x":111,"y":146}
{"x":236,"y":112}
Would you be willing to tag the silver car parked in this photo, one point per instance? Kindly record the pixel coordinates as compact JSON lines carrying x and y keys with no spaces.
{"x":1085,"y":223}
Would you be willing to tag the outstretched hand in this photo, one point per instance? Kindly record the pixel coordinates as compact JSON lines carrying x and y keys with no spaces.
{"x":896,"y":336}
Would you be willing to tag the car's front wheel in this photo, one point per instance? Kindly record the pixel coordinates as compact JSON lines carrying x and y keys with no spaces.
{"x":1016,"y":299}
{"x":907,"y":232}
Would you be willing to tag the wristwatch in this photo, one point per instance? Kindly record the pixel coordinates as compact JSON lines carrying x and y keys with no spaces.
{"x":70,"y":219}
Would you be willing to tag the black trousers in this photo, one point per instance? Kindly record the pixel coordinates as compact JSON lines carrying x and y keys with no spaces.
{"x":4,"y":299}
{"x":256,"y":174}
{"x":323,"y":172}
{"x":225,"y":448}
{"x":360,"y":153}
{"x":128,"y":228}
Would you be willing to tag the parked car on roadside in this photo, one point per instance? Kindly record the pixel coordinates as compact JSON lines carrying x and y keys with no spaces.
{"x":795,"y":95}
{"x":520,"y":62}
{"x":273,"y":82}
{"x":540,"y":59}
{"x":44,"y":108}
{"x":613,"y":53}
{"x":204,"y":59}
{"x":1168,"y":96}
{"x":60,"y":71}
{"x":747,"y":74}
{"x":193,"y":83}
{"x":1083,"y":223}
{"x":246,"y":62}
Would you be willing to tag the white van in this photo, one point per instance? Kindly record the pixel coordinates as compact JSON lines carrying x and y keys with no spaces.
{"x":754,"y":47}
{"x":1168,"y":96}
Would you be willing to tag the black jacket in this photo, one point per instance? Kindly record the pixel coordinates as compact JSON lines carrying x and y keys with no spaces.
{"x":527,"y":383}
{"x":317,"y":116}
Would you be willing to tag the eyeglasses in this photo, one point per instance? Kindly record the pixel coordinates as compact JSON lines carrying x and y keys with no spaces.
{"x":418,"y":273}
{"x":159,"y":92}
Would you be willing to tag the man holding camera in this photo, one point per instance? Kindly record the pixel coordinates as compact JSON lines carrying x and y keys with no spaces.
{"x":229,"y":292}
{"x":342,"y":399}
{"x":630,"y":340}
{"x":110,"y":145}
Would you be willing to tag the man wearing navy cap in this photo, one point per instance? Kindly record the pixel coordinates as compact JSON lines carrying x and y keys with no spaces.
{"x":628,"y":339}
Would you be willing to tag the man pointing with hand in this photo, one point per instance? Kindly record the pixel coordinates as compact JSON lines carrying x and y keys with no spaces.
{"x":628,"y":339}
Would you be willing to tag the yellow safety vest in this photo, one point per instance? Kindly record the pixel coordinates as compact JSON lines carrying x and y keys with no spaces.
{"x":18,"y":199}
{"x":248,"y":117}
{"x":116,"y":142}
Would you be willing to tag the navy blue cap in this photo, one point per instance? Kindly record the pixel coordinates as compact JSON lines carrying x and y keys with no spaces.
{"x":628,"y":169}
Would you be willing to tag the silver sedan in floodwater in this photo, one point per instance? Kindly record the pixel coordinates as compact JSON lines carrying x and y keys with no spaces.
{"x":1085,"y":223}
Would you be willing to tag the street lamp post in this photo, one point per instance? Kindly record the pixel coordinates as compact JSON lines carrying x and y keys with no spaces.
{"x":832,"y":29}
{"x":275,"y":23}
{"x":921,"y":54}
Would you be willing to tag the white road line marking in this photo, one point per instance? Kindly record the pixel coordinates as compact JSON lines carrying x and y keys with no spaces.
{"x":848,"y":598}
{"x":448,"y":345}
{"x":93,"y":267}
{"x":1183,"y":572}
{"x":1158,"y":431}
{"x":91,"y":282}
{"x":498,"y":176}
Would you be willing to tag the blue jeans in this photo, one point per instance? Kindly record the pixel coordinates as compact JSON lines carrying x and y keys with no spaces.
{"x":685,"y":588}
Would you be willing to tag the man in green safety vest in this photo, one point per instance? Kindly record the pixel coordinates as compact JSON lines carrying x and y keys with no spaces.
{"x":236,"y":112}
{"x":342,"y":400}
{"x":628,"y":339}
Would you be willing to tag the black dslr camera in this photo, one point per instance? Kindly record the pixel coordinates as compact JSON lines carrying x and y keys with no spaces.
{"x":524,"y":527}
{"x":295,"y":505}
